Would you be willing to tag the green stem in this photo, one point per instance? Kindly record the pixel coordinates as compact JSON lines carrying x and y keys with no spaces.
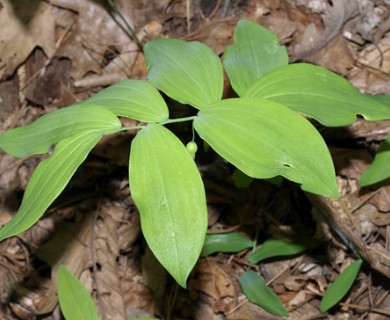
{"x":161,"y":123}
{"x":178,"y":120}
{"x":131,"y":128}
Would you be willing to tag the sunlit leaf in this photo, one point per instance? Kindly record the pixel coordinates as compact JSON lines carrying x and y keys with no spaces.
{"x":168,"y":191}
{"x":318,"y":93}
{"x":276,"y":248}
{"x":264,"y":139}
{"x":340,"y":287}
{"x":380,"y":168}
{"x":257,"y":292}
{"x":136,"y":99}
{"x":225,"y":242}
{"x":39,"y":136}
{"x":189,"y":72}
{"x":48,"y":180}
{"x":75,"y":301}
{"x":256,"y":51}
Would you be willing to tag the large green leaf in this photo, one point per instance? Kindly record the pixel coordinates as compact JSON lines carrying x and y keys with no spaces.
{"x":167,"y":189}
{"x":225,"y":242}
{"x":318,"y":93}
{"x":75,"y":301}
{"x":48,"y":180}
{"x":256,"y":51}
{"x":257,"y":292}
{"x":340,"y":286}
{"x":136,"y":99}
{"x":189,"y":72}
{"x":380,"y":167}
{"x":39,"y":136}
{"x":264,"y":139}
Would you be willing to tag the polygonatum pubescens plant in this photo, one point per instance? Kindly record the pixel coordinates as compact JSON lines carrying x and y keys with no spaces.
{"x":263,"y":132}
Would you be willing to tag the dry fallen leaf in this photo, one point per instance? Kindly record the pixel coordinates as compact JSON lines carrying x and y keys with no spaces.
{"x":24,"y":25}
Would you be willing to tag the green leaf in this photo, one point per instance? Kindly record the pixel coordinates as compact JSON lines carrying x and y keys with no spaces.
{"x":276,"y":248}
{"x":39,"y":136}
{"x":167,"y":189}
{"x":256,"y":51}
{"x":188,"y":72}
{"x":75,"y":301}
{"x":340,"y":286}
{"x":258,"y":293}
{"x":136,"y":99}
{"x":48,"y":180}
{"x":264,"y":139}
{"x":241,"y":180}
{"x":225,"y":242}
{"x":381,"y":98}
{"x":318,"y":93}
{"x":380,"y":167}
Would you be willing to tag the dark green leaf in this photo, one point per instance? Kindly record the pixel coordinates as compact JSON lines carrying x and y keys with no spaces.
{"x":380,"y":167}
{"x":188,"y":72}
{"x":318,"y":93}
{"x":276,"y":248}
{"x":39,"y":136}
{"x":48,"y":180}
{"x":167,"y":189}
{"x":75,"y":301}
{"x":264,"y":139}
{"x":339,"y":288}
{"x":258,"y":293}
{"x":136,"y":99}
{"x":225,"y":242}
{"x":255,"y":52}
{"x":241,"y":180}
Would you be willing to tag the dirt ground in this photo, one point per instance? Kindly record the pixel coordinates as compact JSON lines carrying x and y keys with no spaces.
{"x":56,"y":52}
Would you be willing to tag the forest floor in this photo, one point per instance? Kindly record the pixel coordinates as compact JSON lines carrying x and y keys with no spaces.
{"x":54,"y":53}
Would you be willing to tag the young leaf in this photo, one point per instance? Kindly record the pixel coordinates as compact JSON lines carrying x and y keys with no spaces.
{"x":339,"y":288}
{"x":136,"y":99}
{"x":380,"y":167}
{"x":39,"y":136}
{"x":257,"y":292}
{"x":256,"y":51}
{"x":48,"y":180}
{"x":225,"y":242}
{"x":264,"y":139}
{"x":189,"y":72}
{"x":167,"y":189}
{"x":75,"y":301}
{"x":276,"y":248}
{"x":318,"y":93}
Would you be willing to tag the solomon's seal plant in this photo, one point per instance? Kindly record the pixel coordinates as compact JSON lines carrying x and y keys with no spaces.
{"x":262,"y":132}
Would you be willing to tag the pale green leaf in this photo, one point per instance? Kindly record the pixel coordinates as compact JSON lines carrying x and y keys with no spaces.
{"x":256,"y":51}
{"x":340,"y":287}
{"x":39,"y":136}
{"x":276,"y":248}
{"x":225,"y":242}
{"x":318,"y":93}
{"x":136,"y":99}
{"x":168,"y":191}
{"x":48,"y":180}
{"x":75,"y":301}
{"x":257,"y":292}
{"x":188,"y":72}
{"x":264,"y":139}
{"x":380,"y":168}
